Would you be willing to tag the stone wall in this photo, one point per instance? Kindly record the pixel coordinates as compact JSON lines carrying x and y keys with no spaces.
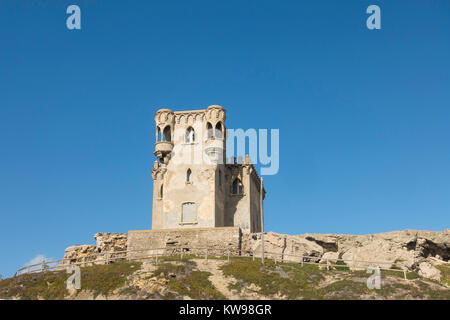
{"x":151,"y":241}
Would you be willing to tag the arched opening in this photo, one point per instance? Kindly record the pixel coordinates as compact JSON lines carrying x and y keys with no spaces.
{"x":218,"y":131}
{"x":167,"y":134}
{"x":189,"y":176}
{"x":237,"y":187}
{"x":190,"y":135}
{"x":158,"y":134}
{"x":209,"y":129}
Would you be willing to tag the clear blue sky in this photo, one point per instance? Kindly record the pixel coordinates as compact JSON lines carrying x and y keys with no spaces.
{"x":363,"y":115}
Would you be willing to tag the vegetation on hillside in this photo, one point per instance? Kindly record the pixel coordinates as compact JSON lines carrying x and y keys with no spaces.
{"x":293,"y":281}
{"x":176,"y":278}
{"x":51,"y":285}
{"x":445,"y":273}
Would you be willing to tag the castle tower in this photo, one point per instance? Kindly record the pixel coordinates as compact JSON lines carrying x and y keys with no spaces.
{"x":193,"y":187}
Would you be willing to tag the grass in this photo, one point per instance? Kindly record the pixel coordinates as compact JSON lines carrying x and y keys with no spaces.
{"x":296,"y":282}
{"x":99,"y":279}
{"x":282,"y":280}
{"x":345,"y":289}
{"x":289,"y":279}
{"x":47,"y":285}
{"x":104,"y":279}
{"x":187,"y":282}
{"x":342,"y":266}
{"x":445,"y":273}
{"x":409,"y":275}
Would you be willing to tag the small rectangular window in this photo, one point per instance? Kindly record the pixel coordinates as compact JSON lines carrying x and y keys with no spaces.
{"x":189,"y":212}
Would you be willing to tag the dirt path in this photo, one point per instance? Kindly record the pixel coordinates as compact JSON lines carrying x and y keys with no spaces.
{"x":221,"y":282}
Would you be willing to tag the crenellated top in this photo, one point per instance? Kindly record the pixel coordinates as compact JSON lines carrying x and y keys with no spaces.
{"x":215,"y":114}
{"x":237,"y":168}
{"x":189,"y":117}
{"x":164,"y":116}
{"x":212,"y":114}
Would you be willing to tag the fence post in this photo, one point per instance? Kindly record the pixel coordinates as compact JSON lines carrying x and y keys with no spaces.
{"x":302,"y":260}
{"x":404,"y":273}
{"x":328,"y":264}
{"x":253,"y":254}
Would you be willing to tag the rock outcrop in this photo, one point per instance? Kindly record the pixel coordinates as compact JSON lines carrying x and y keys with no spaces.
{"x":411,"y":250}
{"x":105,"y":242}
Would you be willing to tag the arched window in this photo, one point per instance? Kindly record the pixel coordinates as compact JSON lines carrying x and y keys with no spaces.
{"x":161,"y":191}
{"x":189,"y":176}
{"x":218,"y":131}
{"x":209,"y":129}
{"x":166,"y":133}
{"x":158,"y":134}
{"x":190,"y":135}
{"x":237,"y":187}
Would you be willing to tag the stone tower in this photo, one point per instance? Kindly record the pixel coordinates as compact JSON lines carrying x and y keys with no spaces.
{"x":193,"y":186}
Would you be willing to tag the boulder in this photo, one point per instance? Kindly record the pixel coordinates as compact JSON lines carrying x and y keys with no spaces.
{"x":427,"y":270}
{"x":111,"y":242}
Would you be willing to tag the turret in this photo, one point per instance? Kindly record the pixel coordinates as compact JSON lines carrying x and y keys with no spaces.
{"x":215,"y":136}
{"x":165,"y":121}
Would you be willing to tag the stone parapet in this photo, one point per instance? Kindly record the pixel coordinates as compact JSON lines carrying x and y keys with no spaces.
{"x":162,"y":242}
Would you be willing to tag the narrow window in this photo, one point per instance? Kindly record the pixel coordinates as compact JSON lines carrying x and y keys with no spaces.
{"x":218,"y":131}
{"x":161,"y":191}
{"x":190,"y":135}
{"x":236,"y":187}
{"x":158,"y":134}
{"x":167,"y":134}
{"x":189,"y":176}
{"x":209,"y":129}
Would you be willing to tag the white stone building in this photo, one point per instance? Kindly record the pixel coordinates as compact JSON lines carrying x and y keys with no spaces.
{"x":193,"y":185}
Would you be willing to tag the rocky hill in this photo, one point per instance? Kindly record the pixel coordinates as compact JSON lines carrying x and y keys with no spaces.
{"x":424,"y":255}
{"x":193,"y":277}
{"x":417,"y":251}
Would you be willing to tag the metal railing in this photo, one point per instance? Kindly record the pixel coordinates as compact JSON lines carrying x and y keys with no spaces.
{"x":156,"y":255}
